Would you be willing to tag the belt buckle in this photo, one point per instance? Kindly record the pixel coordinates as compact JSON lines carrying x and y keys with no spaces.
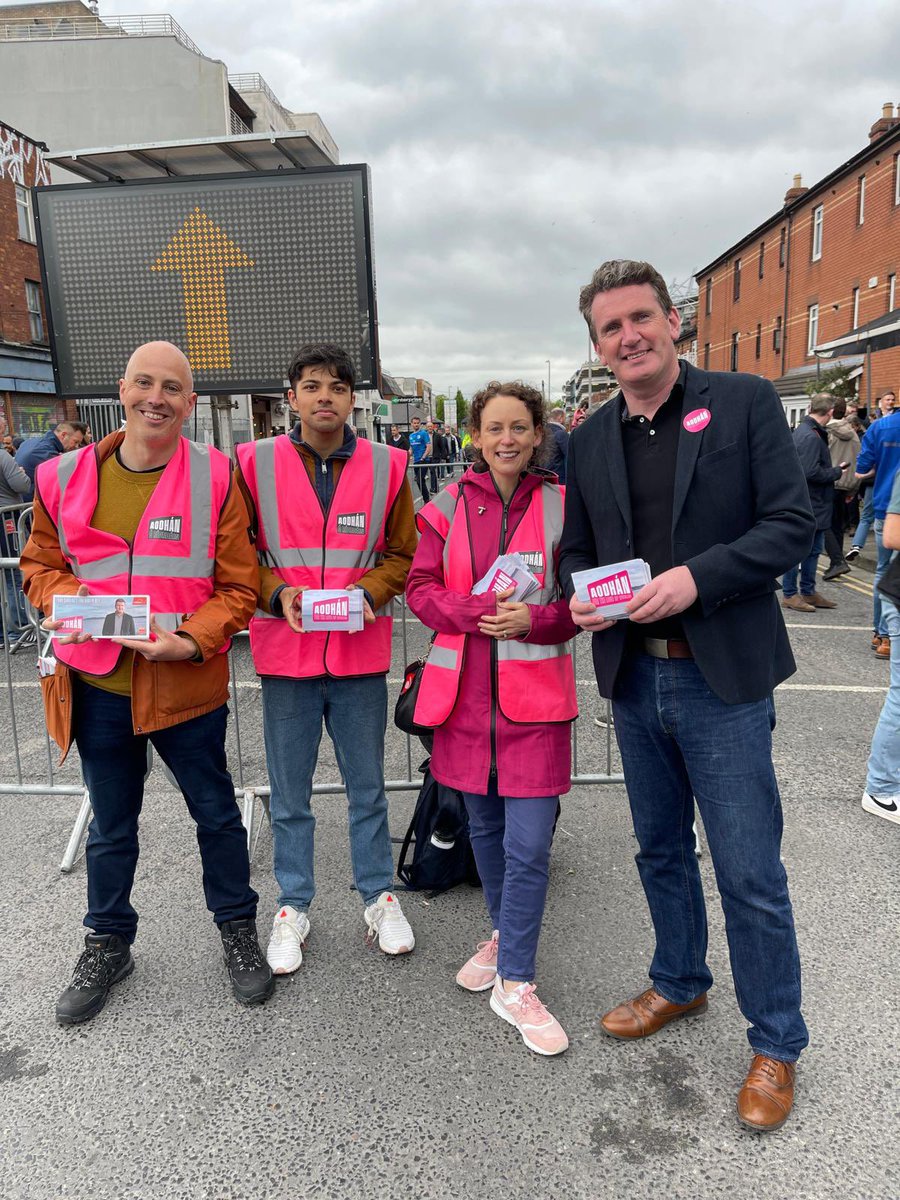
{"x":657,"y":647}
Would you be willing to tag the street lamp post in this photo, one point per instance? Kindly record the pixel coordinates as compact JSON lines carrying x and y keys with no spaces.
{"x":549,"y":400}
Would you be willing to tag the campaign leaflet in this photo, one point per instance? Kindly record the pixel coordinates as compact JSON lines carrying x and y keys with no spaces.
{"x":329,"y":609}
{"x":102,"y":616}
{"x":509,"y":570}
{"x":610,"y":588}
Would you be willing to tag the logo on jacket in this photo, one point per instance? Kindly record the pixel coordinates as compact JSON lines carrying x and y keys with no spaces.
{"x":351,"y":522}
{"x":612,"y":588}
{"x":697,"y":420}
{"x":534,"y":560}
{"x":167,"y":529}
{"x":332,"y":610}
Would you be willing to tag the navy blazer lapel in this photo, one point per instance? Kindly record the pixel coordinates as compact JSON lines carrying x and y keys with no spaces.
{"x":615,"y":460}
{"x":696,"y":388}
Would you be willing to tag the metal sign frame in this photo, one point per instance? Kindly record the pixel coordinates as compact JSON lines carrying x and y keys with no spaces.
{"x":203,"y":384}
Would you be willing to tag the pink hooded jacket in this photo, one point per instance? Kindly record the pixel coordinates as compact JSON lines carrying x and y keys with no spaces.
{"x":531,"y":760}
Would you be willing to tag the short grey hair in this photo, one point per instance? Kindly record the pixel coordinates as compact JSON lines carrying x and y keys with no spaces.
{"x":619,"y":273}
{"x":558,"y":415}
{"x":820,"y":404}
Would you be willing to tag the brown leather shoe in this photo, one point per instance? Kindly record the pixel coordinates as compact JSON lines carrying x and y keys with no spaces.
{"x":765,"y":1101}
{"x":818,"y":601}
{"x":647,"y":1014}
{"x":883,"y":649}
{"x":797,"y":603}
{"x":877,"y":639}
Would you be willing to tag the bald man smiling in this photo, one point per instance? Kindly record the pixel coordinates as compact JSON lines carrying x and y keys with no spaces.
{"x":148,"y":512}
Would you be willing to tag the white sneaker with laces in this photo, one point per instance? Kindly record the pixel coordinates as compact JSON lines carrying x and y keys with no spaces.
{"x":290,"y":929}
{"x":521,"y":1008}
{"x":387,"y":923}
{"x":882,"y":806}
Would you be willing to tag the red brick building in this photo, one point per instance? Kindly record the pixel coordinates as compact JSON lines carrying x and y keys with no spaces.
{"x":824,"y":264}
{"x":27,"y":393}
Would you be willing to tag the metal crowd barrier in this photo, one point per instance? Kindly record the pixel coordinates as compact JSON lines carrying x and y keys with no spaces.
{"x":251,"y":789}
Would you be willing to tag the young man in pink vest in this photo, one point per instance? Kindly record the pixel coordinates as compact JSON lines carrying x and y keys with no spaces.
{"x":329,"y":510}
{"x":147,"y":512}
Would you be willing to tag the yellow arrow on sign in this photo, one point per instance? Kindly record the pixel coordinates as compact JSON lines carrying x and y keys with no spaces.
{"x":201,"y":251}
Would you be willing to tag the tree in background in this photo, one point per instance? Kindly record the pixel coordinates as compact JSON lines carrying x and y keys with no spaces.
{"x":835,"y":380}
{"x":462,"y":407}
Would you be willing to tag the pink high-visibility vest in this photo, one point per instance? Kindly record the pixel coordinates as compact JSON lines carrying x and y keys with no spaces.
{"x":307,"y":549}
{"x":535,"y":684}
{"x":173,"y":556}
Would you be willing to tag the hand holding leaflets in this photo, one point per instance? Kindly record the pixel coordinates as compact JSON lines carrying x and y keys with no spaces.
{"x":510,"y":579}
{"x":604,"y":595}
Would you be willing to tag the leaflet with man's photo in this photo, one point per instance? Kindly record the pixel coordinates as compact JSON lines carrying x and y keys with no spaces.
{"x":328,"y":609}
{"x":506,"y":571}
{"x":102,"y":616}
{"x":610,"y":588}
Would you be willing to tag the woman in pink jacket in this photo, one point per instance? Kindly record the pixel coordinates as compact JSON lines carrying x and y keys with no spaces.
{"x":499,"y":687}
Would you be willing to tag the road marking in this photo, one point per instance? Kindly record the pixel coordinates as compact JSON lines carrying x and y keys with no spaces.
{"x":828,"y":687}
{"x":800,"y":625}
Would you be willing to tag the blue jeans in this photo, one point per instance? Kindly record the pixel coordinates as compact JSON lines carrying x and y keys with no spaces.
{"x":511,"y":838}
{"x":867,"y":516}
{"x":679,"y":742}
{"x":883,"y":775}
{"x":113,"y":762}
{"x":16,"y":613}
{"x":882,"y":562}
{"x":807,"y":570}
{"x":355,"y":715}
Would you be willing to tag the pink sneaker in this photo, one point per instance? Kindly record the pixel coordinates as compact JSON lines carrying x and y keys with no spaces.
{"x":480,"y":971}
{"x":541,"y":1032}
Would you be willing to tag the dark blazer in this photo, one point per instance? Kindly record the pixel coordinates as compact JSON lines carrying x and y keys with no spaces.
{"x":741,"y":517}
{"x":811,"y":441}
{"x":109,"y":625}
{"x":558,"y":445}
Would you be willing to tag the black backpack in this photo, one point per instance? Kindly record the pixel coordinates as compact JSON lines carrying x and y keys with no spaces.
{"x":441,"y":854}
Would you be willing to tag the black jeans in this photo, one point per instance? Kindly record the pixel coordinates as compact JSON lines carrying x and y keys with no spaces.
{"x":113,"y":760}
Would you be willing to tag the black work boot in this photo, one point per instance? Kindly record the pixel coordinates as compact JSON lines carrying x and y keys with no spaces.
{"x":105,"y":960}
{"x":251,"y":976}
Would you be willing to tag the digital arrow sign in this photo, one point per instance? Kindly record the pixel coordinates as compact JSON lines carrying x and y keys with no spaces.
{"x":237,"y":270}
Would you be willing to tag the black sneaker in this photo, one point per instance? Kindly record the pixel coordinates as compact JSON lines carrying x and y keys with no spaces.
{"x":105,"y":960}
{"x":836,"y":569}
{"x":852,"y":554}
{"x":251,"y":976}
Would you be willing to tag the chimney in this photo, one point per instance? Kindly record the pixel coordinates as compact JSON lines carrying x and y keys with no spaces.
{"x":796,"y":189}
{"x":886,"y":121}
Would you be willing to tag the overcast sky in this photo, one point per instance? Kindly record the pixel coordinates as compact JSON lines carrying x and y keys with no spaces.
{"x":514,"y":147}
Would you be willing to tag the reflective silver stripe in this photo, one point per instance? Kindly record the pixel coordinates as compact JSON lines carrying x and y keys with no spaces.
{"x":381,"y":479}
{"x":169,"y":621}
{"x":101,"y":568}
{"x":443,"y":656}
{"x":266,"y":495}
{"x":311,"y":556}
{"x":445,"y":502}
{"x":64,"y":471}
{"x":553,"y":527}
{"x":166,"y":567}
{"x":528,"y":652}
{"x":386,"y":610}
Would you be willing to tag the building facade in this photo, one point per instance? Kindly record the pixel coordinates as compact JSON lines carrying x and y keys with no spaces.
{"x":27,"y":392}
{"x":823,"y":265}
{"x":592,"y":382}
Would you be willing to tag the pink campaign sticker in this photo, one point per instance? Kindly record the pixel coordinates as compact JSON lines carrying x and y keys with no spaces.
{"x":697,"y":420}
{"x":610,"y":590}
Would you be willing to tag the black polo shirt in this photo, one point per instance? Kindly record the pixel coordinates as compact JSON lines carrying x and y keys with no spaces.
{"x":650,"y":447}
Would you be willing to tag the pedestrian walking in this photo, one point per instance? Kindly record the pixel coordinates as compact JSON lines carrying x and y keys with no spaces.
{"x":879,"y":459}
{"x":843,"y":446}
{"x":882,"y":792}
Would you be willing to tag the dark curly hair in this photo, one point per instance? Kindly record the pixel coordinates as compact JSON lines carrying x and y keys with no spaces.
{"x":530,"y":397}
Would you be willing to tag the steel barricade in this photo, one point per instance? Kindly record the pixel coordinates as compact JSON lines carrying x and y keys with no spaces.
{"x":246,"y":762}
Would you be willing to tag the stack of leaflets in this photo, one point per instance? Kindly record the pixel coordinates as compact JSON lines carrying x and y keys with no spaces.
{"x":509,"y":570}
{"x":611,"y":587}
{"x":327,"y":609}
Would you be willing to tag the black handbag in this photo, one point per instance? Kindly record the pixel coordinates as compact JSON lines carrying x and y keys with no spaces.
{"x":405,"y":708}
{"x":889,"y":584}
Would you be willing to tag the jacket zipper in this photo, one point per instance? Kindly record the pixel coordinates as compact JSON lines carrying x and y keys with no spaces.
{"x":494,"y":667}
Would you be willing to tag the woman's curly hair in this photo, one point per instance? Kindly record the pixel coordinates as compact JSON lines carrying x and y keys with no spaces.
{"x":530,"y":397}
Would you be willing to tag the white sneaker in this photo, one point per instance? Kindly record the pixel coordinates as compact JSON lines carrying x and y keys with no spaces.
{"x":386,"y":921}
{"x":290,"y":929}
{"x":886,"y":807}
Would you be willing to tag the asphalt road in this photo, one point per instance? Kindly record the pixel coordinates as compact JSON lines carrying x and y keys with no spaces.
{"x":369,"y":1077}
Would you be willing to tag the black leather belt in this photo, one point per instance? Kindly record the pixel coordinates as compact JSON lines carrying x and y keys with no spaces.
{"x":667,"y":648}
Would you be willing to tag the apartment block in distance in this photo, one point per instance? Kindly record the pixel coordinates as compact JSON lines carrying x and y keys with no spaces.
{"x":825,"y":264}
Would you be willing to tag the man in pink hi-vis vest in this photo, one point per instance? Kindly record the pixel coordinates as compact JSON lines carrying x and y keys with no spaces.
{"x":329,"y":511}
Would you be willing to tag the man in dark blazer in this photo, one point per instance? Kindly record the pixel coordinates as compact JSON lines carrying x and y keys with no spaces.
{"x":118,"y":623}
{"x":697,"y":474}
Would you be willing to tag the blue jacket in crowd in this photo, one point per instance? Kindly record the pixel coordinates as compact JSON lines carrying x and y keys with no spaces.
{"x":880,"y":449}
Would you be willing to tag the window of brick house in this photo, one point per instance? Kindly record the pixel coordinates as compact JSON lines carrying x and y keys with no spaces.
{"x":818,"y":221}
{"x":24,"y":214}
{"x":33,"y":303}
{"x":861,"y":200}
{"x":855,"y":307}
{"x":758,"y":341}
{"x":734,"y":351}
{"x":709,"y":295}
{"x":782,"y":246}
{"x":776,"y":336}
{"x":762,"y":257}
{"x":892,"y":293}
{"x":812,"y":334}
{"x":737,"y":279}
